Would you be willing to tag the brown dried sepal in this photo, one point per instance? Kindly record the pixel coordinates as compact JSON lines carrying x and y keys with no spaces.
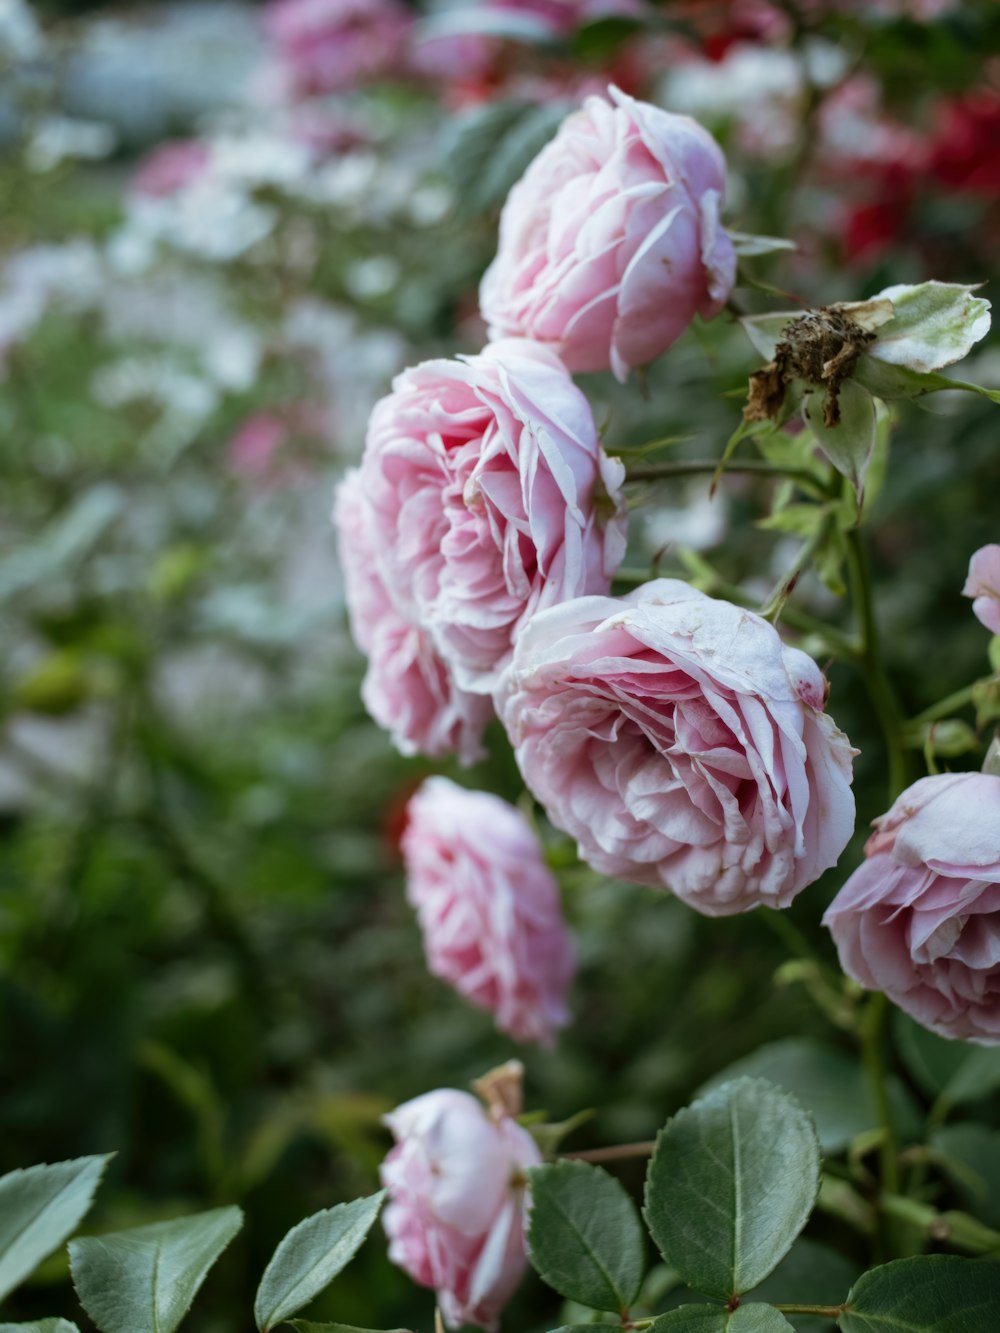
{"x":502,"y":1089}
{"x":821,"y":347}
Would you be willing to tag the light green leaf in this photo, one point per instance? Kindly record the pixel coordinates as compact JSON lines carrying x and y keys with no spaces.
{"x":753,"y":1318}
{"x":144,"y":1280}
{"x":310,"y":1256}
{"x":41,"y":1326}
{"x":584,"y":1235}
{"x":933,"y":324}
{"x":747,"y":246}
{"x":39,"y":1207}
{"x":993,"y":652}
{"x":827,"y":1082}
{"x":935,"y":1293}
{"x":848,"y":445}
{"x":307,"y":1326}
{"x":885,"y":381}
{"x":766,"y":331}
{"x":731,"y":1184}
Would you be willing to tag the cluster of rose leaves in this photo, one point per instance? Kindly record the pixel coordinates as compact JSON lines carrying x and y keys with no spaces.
{"x":673,"y":735}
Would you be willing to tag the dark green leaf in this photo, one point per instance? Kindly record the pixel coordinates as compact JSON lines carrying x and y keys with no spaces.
{"x":491,"y":146}
{"x":954,"y":1071}
{"x":711,"y":1319}
{"x":970,"y":1155}
{"x":810,"y":1274}
{"x":39,"y":1207}
{"x":584,"y":1235}
{"x":310,"y":1256}
{"x":827,"y":1082}
{"x":41,"y":1326}
{"x":731,"y":1184}
{"x":936,"y":1293}
{"x":144,"y":1280}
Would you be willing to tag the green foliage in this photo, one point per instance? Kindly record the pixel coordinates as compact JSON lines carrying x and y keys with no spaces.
{"x":311,"y":1256}
{"x":953,"y":1072}
{"x":307,"y":1326}
{"x":41,"y":1326}
{"x":753,"y":1318}
{"x":929,"y":1294}
{"x":39,"y":1207}
{"x":144,"y":1280}
{"x":731,"y":1184}
{"x":584,"y":1237}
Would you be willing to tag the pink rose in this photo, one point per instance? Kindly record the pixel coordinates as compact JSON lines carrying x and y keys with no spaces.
{"x":611,"y":243}
{"x":171,"y":166}
{"x":920,"y":918}
{"x":487,"y":498}
{"x":489,"y":907}
{"x":983,"y":584}
{"x":455,"y":1217}
{"x":682,"y":744}
{"x":329,"y":45}
{"x":407,"y":689}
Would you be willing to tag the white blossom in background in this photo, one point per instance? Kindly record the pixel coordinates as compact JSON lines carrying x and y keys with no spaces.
{"x":57,"y":139}
{"x":697,"y":522}
{"x":20,"y":36}
{"x":33,"y":279}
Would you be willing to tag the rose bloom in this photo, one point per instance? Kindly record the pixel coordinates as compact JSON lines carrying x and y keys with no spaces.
{"x":682,"y":745}
{"x":488,"y":907}
{"x":329,"y":45}
{"x":407,"y":688}
{"x":983,"y":584}
{"x":611,"y":242}
{"x":455,"y":1217}
{"x":488,"y":497}
{"x":920,"y":918}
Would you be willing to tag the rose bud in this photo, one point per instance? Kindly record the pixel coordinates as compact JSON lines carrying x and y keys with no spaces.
{"x":983,"y":584}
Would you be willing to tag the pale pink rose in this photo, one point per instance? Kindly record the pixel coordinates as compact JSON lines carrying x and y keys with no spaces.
{"x":489,"y":498}
{"x":920,"y":918}
{"x":407,"y":688}
{"x":455,"y":1216}
{"x":682,"y":745}
{"x":611,"y":242}
{"x":488,"y":906}
{"x":329,"y":45}
{"x":983,"y":584}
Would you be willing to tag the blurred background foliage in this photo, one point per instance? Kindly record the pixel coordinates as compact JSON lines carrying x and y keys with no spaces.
{"x":207,"y":276}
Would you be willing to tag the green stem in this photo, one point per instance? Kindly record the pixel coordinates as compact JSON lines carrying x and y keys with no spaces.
{"x":872,"y":1034}
{"x":619,"y":1152}
{"x":944,"y":707}
{"x":880,"y":688}
{"x":775,"y":604}
{"x":693,"y":467}
{"x":824,"y":1311}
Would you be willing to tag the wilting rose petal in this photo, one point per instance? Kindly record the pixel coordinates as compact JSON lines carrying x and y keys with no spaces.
{"x":489,"y":907}
{"x":983,"y":584}
{"x":488,"y":497}
{"x":682,"y":745}
{"x":611,"y":242}
{"x":920,"y":918}
{"x":455,"y":1216}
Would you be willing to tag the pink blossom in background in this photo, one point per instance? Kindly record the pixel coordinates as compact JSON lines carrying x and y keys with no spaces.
{"x":488,"y":906}
{"x":171,"y":166}
{"x":983,"y":584}
{"x":612,"y":241}
{"x":327,"y":46}
{"x":920,"y":918}
{"x":252,"y":449}
{"x":455,"y":1216}
{"x":407,"y":688}
{"x":487,"y":498}
{"x":682,"y":745}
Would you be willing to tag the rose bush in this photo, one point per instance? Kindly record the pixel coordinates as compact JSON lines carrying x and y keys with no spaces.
{"x":455,"y":1217}
{"x":611,"y":242}
{"x":486,"y":496}
{"x":682,"y":745}
{"x":407,"y":688}
{"x":327,"y":46}
{"x":920,"y":918}
{"x":489,"y":907}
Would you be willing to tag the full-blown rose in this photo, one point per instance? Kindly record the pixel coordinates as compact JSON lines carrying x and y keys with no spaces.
{"x":489,"y":907}
{"x":455,"y":1217}
{"x":920,"y":918}
{"x":487,"y":497}
{"x":682,"y":745}
{"x":611,"y":242}
{"x":983,"y":584}
{"x":407,"y":688}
